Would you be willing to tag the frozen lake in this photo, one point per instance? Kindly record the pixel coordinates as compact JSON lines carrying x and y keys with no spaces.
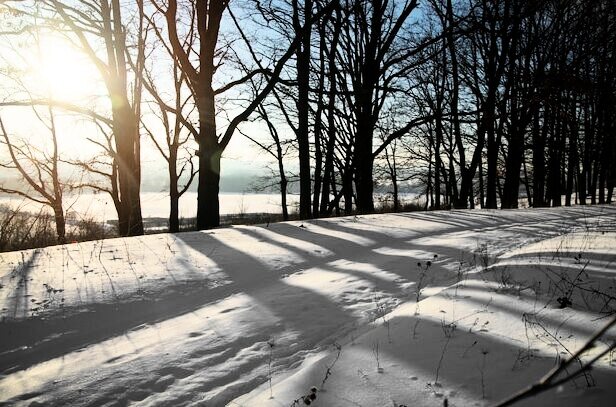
{"x":156,"y":204}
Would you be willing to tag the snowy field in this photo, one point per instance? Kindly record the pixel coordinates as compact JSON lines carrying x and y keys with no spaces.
{"x":421,"y":309}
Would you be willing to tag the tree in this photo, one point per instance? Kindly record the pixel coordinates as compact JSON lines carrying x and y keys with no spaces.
{"x":37,"y":168}
{"x":328,"y":182}
{"x":104,"y":18}
{"x":369,"y":55}
{"x":173,"y":116}
{"x":200,"y":80}
{"x":179,"y":166}
{"x":303,"y":57}
{"x":40,"y":173}
{"x":278,"y":150}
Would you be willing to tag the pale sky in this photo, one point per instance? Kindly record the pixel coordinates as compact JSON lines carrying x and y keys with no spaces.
{"x":62,"y":71}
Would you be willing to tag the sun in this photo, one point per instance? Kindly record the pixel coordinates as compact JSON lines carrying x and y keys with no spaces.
{"x":64,"y":72}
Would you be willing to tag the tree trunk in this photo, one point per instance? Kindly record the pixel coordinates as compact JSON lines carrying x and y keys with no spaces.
{"x":328,"y":170}
{"x":527,"y":183}
{"x":492,"y":154}
{"x":554,"y":186}
{"x":318,"y":126}
{"x":572,"y":167}
{"x":347,"y":191}
{"x":210,"y":152}
{"x":437,"y":171}
{"x":303,"y":89}
{"x":283,"y":197}
{"x":174,"y":212}
{"x":455,"y":93}
{"x":60,"y":223}
{"x":515,"y":153}
{"x":538,"y":162}
{"x":328,"y":175}
{"x":513,"y":166}
{"x":393,"y":173}
{"x":363,"y":165}
{"x":593,"y":182}
{"x":126,"y":133}
{"x":208,"y":208}
{"x":283,"y":181}
{"x":174,"y":221}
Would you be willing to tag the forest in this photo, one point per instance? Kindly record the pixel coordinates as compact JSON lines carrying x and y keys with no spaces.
{"x":475,"y":103}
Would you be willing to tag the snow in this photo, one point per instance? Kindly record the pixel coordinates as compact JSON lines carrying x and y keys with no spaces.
{"x":457,"y":305}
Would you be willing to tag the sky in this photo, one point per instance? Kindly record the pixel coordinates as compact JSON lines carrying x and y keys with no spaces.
{"x":59,"y":69}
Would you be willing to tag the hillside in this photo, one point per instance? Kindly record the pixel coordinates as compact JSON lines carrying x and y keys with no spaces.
{"x":406,"y":309}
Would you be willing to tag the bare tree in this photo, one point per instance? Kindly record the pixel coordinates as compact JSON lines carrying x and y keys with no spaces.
{"x":100,"y":172}
{"x":39,"y":171}
{"x":278,"y":149}
{"x":180,"y":166}
{"x":200,"y":80}
{"x":377,"y":64}
{"x":37,"y":168}
{"x":173,"y":115}
{"x":104,"y":19}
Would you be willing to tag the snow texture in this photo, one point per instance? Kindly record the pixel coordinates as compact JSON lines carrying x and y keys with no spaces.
{"x":406,"y":310}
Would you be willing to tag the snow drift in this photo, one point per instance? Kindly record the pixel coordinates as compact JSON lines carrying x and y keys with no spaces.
{"x":403,"y":309}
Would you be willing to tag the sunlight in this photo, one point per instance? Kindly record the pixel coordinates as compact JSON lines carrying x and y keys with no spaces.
{"x":152,"y":342}
{"x":250,"y":250}
{"x":338,"y":234}
{"x":63,"y":71}
{"x":297,"y":244}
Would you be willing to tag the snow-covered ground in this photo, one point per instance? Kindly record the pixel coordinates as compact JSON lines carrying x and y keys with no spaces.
{"x":404,"y":309}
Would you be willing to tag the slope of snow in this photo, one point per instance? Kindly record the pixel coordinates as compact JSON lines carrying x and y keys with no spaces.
{"x":214,"y":318}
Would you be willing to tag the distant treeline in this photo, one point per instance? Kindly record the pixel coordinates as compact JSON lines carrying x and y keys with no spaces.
{"x":472,"y":103}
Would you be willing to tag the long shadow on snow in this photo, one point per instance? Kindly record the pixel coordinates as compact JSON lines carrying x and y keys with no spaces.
{"x":265,"y":288}
{"x":506,"y":306}
{"x":19,"y":300}
{"x":453,"y":227}
{"x":494,"y":217}
{"x":31,"y":341}
{"x":605,"y":257}
{"x":263,"y":283}
{"x":445,"y":252}
{"x":27,"y":342}
{"x":596,"y":293}
{"x":387,"y":262}
{"x":405,"y":267}
{"x":384,"y":263}
{"x":461,"y":365}
{"x":74,"y":330}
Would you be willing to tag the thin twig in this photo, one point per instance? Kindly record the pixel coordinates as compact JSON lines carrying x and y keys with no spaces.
{"x":549,"y":380}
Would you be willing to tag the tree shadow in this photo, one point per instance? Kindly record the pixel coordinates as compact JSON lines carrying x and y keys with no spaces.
{"x":475,"y":364}
{"x":18,"y":301}
{"x":373,"y":270}
{"x":262,"y":281}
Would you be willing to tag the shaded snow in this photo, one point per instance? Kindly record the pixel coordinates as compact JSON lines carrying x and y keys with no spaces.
{"x":206,"y":318}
